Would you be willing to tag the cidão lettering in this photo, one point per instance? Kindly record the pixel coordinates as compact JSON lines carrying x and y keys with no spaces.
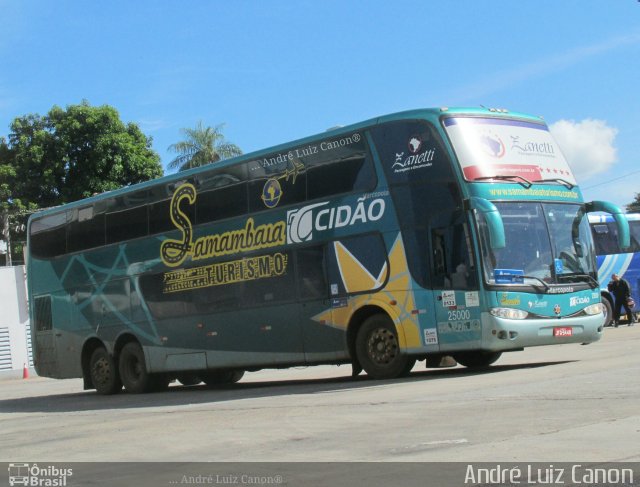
{"x":320,"y":217}
{"x":252,"y":237}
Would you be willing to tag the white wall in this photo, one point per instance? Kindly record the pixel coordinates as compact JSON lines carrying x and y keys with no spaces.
{"x":15,"y":351}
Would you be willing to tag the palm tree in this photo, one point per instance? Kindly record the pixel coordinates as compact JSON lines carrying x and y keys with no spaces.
{"x":202,"y":145}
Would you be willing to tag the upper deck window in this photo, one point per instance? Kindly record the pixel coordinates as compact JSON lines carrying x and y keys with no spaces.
{"x":411,"y":151}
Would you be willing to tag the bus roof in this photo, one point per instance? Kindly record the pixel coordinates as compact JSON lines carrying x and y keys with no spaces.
{"x":423,"y":113}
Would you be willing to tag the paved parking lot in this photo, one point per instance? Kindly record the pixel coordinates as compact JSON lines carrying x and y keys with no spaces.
{"x":550,"y":404}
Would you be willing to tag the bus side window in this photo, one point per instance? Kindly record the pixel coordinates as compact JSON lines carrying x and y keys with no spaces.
{"x":452,"y":262}
{"x":48,"y":236}
{"x":87,"y":230}
{"x":605,"y":241}
{"x":221,"y":203}
{"x":42,"y":313}
{"x":127,"y":224}
{"x":312,"y":282}
{"x":439,"y":258}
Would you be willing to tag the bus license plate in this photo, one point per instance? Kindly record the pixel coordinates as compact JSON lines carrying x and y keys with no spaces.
{"x":562,"y":331}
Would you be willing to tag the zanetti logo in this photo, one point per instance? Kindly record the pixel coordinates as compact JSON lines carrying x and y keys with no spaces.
{"x":417,"y":159}
{"x":532,"y":147}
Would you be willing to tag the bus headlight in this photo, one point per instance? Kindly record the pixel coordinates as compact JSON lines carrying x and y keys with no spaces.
{"x":594,"y":309}
{"x":509,"y":313}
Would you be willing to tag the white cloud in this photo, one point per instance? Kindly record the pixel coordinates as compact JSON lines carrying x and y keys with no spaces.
{"x":588,"y":145}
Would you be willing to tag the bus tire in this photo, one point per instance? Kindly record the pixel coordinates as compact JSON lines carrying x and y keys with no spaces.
{"x":104,"y":373}
{"x":476,"y":359}
{"x":159,"y":382}
{"x":408,"y":368}
{"x":189,"y":378}
{"x":608,"y":311}
{"x":218,"y":377}
{"x":133,"y":371}
{"x":378,"y":349}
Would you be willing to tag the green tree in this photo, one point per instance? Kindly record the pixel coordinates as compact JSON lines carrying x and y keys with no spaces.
{"x":13,"y":212}
{"x":70,"y":154}
{"x":634,"y":206}
{"x":202,"y":145}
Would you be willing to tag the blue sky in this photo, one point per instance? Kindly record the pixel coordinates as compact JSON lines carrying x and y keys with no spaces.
{"x":278,"y":70}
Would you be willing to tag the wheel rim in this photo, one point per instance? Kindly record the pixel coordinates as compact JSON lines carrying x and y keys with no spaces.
{"x":382,"y":346}
{"x":101,"y":371}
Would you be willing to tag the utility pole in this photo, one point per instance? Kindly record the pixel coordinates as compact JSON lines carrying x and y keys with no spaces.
{"x":6,"y":235}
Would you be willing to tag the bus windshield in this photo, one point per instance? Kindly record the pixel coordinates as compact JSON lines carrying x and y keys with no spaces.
{"x":544,"y":242}
{"x":498,"y":148}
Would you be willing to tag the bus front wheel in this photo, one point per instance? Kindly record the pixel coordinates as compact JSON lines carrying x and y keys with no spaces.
{"x":477,"y":358}
{"x":133,"y":371}
{"x":608,"y":311}
{"x":378,"y":350}
{"x":103,"y":372}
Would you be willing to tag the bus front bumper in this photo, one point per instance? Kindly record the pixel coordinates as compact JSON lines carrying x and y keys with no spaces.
{"x":508,"y":334}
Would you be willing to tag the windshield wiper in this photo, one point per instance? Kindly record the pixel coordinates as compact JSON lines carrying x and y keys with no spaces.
{"x":516,"y":179}
{"x":584,"y":277}
{"x":544,"y":284}
{"x":564,"y":182}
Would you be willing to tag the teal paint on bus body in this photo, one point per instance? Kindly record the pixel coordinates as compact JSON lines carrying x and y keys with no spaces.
{"x":279,"y":278}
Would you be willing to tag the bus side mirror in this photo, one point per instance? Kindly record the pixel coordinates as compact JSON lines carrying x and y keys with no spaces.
{"x":497,"y":238}
{"x":624,"y":235}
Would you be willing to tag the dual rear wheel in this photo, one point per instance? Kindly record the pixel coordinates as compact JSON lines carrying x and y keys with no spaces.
{"x":131,"y":372}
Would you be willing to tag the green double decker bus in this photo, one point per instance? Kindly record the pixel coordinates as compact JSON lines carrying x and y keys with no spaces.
{"x":413,"y":236}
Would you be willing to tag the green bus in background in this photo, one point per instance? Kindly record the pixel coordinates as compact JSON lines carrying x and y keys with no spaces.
{"x":413,"y":236}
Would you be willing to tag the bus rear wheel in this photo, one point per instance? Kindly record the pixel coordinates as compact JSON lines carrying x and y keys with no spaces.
{"x":477,"y":358}
{"x":378,"y":349}
{"x":218,"y":377}
{"x":189,"y":378}
{"x":133,"y":370}
{"x":103,"y":372}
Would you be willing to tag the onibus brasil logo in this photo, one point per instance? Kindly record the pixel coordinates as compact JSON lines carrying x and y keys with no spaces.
{"x":34,"y":475}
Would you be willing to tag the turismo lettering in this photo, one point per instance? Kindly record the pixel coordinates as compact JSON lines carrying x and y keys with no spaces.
{"x":249,"y":269}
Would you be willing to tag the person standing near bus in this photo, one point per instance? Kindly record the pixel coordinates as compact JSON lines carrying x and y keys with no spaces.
{"x":621,"y":292}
